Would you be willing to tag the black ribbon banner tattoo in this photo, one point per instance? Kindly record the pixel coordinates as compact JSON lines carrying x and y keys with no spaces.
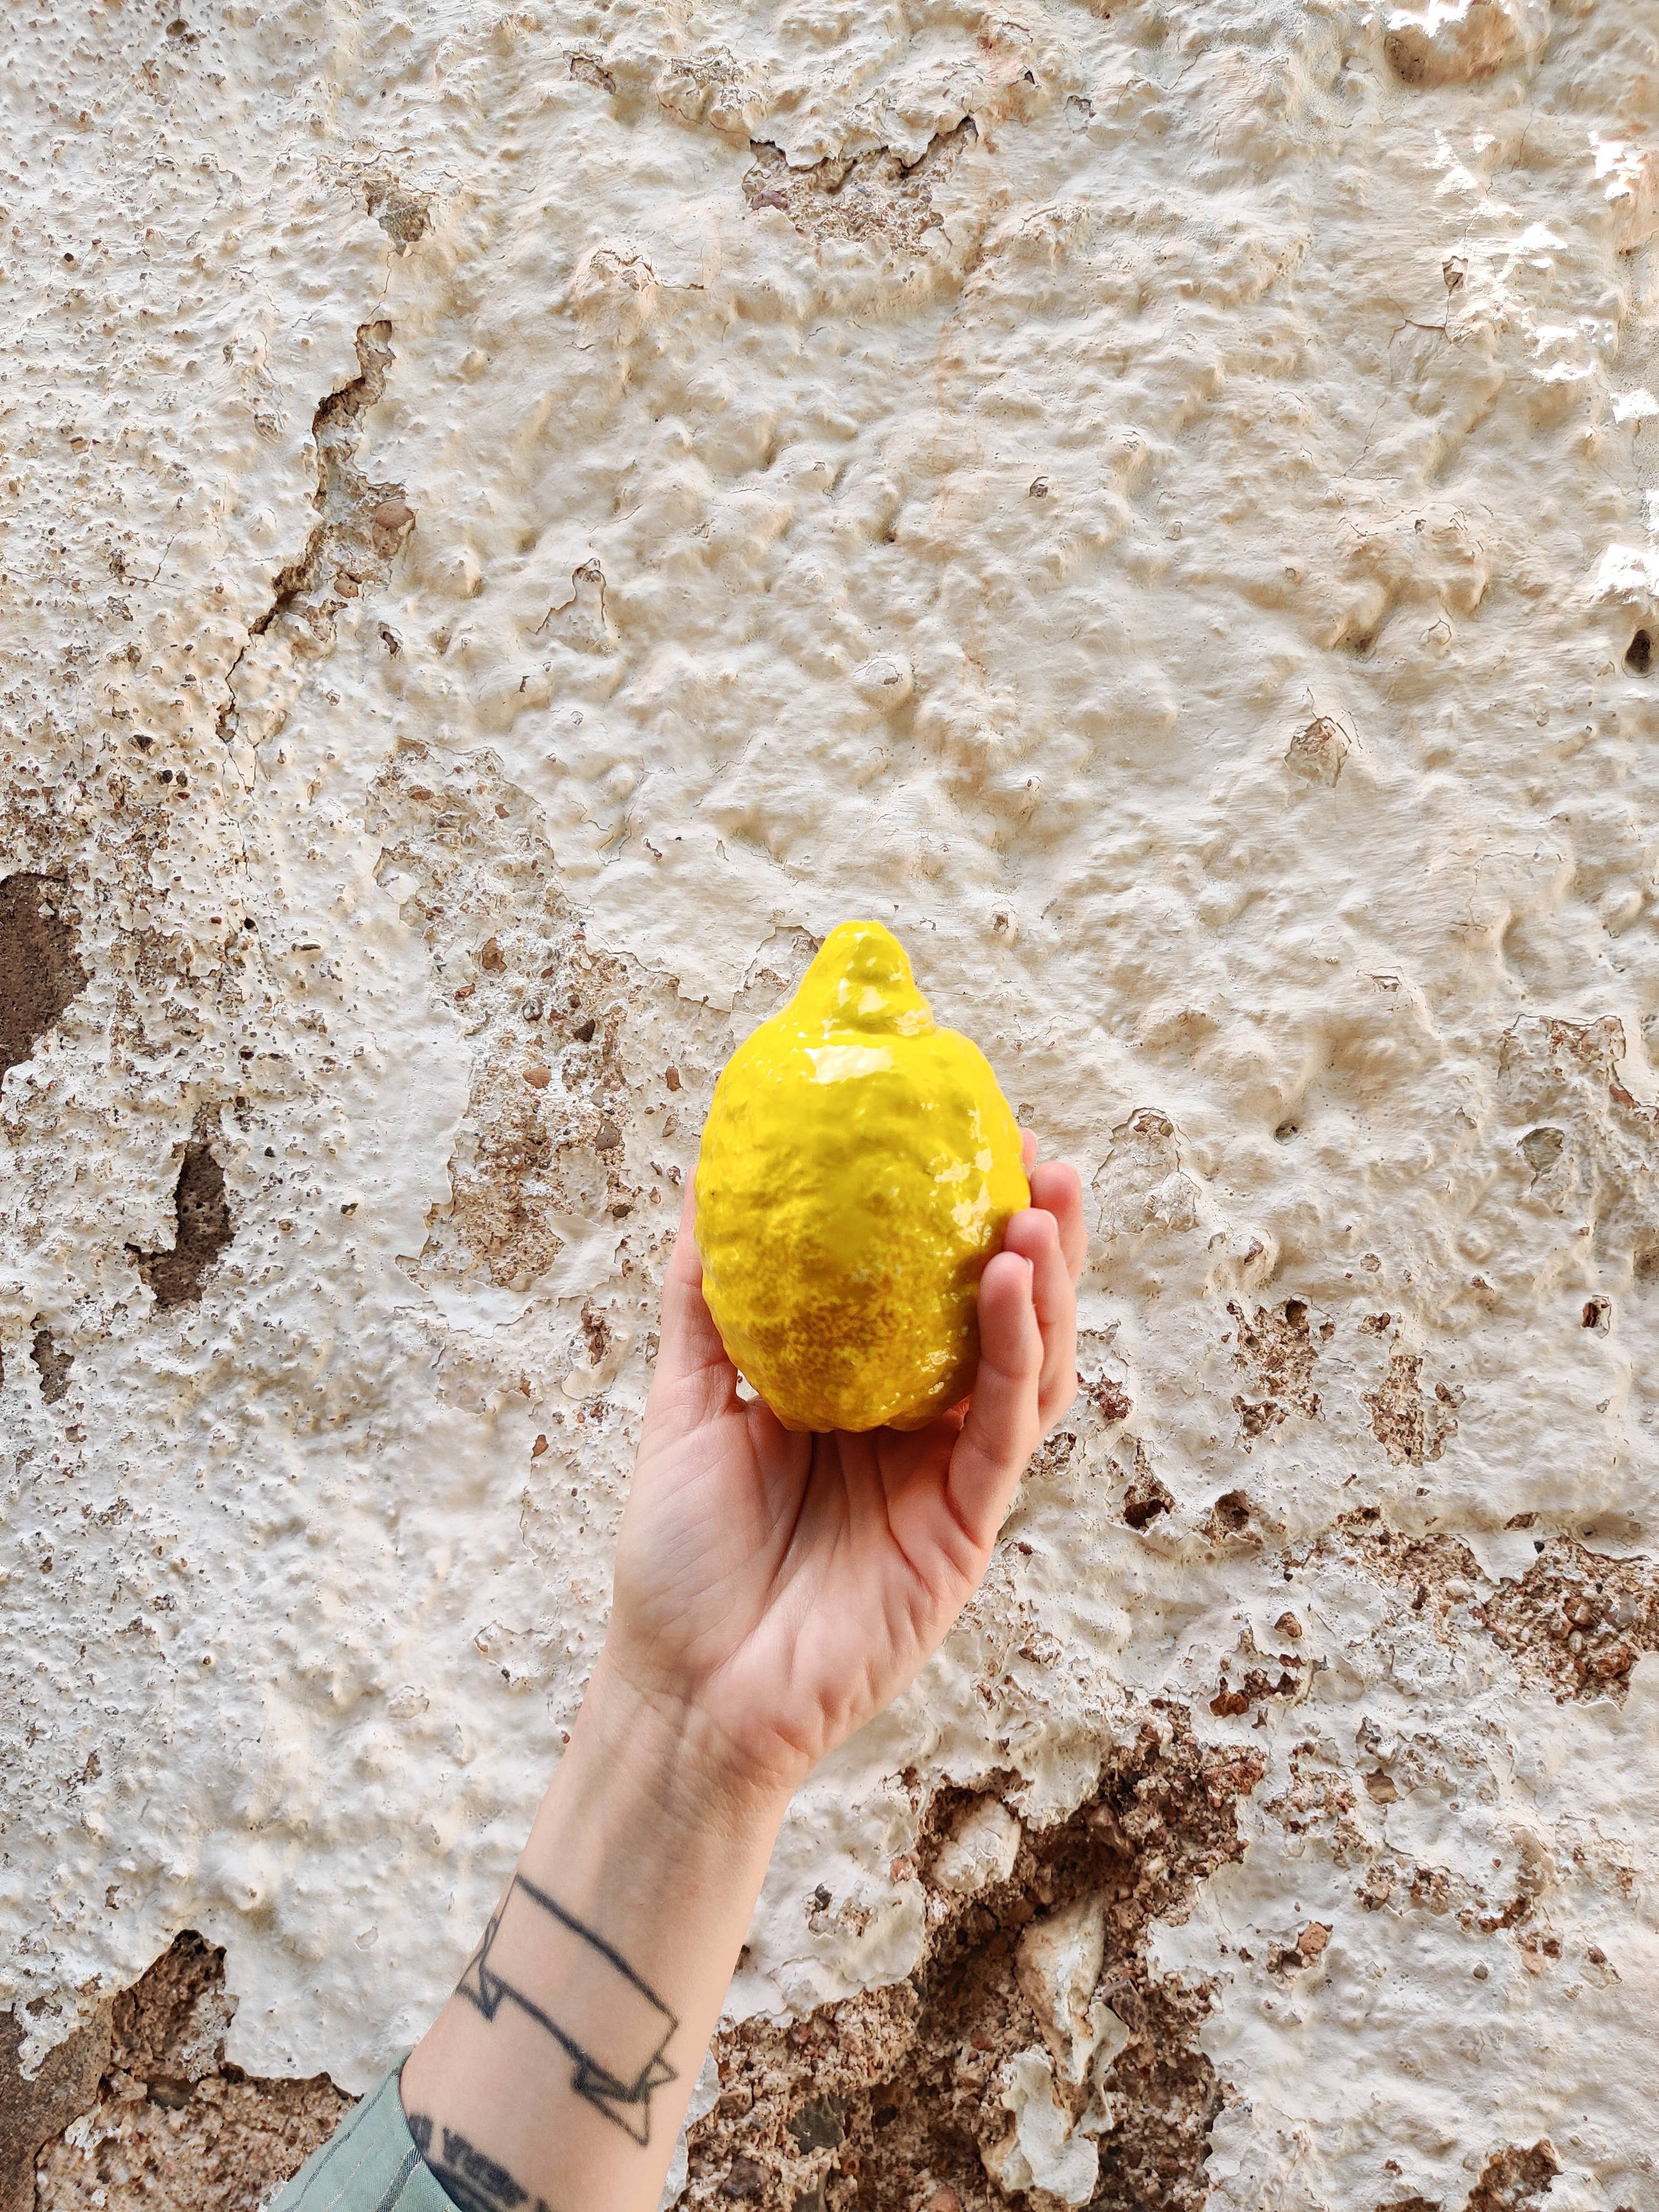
{"x":587,"y":1997}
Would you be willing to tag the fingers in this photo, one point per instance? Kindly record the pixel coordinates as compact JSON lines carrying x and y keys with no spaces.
{"x":689,"y":1341}
{"x":1004,"y":1423}
{"x":1035,"y":1236}
{"x":1057,"y":1187}
{"x":1058,"y":1190}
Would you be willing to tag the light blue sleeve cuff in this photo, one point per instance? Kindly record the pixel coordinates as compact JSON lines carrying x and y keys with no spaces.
{"x":369,"y":2165}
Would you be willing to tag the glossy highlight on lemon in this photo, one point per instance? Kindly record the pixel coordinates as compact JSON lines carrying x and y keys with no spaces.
{"x":858,"y":1167}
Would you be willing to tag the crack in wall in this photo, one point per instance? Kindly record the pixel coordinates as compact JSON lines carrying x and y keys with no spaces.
{"x":361,"y":523}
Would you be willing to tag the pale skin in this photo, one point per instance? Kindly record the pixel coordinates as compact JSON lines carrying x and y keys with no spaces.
{"x":773,"y":1592}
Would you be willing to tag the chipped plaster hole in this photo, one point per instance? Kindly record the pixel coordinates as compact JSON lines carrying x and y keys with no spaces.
{"x":54,"y":1364}
{"x":40,"y":971}
{"x":1146,"y":1498}
{"x":164,"y":2120}
{"x":876,"y":197}
{"x":201,"y":1213}
{"x":1507,"y":2196}
{"x":1276,"y":1347}
{"x":1639,"y":654}
{"x":1515,"y":2180}
{"x":1598,"y":1313}
{"x":1542,"y":1149}
{"x":586,"y":71}
{"x":1411,"y":1426}
{"x":1035,"y":1977}
{"x":1576,"y":1620}
{"x":1316,"y":753}
{"x":403,"y":216}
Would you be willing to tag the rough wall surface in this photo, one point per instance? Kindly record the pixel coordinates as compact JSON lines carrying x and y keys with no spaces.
{"x":515,"y":520}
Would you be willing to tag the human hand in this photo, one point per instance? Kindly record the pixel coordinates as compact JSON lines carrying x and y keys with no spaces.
{"x":774,"y":1590}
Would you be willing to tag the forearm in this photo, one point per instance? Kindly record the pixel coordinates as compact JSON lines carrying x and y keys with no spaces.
{"x":560,"y":2068}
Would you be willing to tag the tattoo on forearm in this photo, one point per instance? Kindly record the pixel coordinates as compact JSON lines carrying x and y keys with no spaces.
{"x":587,"y":1997}
{"x":472,"y":2182}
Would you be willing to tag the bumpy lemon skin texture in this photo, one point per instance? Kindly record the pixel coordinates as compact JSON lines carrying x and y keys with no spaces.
{"x":858,"y":1167}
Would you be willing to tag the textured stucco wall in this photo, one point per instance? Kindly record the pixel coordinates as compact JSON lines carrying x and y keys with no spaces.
{"x":515,"y":520}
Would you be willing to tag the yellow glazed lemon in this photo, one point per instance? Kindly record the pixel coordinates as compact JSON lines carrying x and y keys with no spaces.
{"x":858,"y":1167}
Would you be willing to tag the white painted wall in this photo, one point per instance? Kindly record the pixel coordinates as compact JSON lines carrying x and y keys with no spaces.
{"x":1173,"y":556}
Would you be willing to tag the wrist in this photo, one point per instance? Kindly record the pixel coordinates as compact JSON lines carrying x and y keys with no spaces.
{"x":669,"y":1747}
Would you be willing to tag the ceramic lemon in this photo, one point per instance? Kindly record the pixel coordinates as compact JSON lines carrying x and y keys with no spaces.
{"x":858,"y":1167}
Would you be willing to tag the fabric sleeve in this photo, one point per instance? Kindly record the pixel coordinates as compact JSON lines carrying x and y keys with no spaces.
{"x":370,"y":2164}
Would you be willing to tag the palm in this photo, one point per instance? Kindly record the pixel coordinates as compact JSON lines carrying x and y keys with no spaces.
{"x":788,"y":1586}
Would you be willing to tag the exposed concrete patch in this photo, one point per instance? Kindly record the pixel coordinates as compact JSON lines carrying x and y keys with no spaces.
{"x":876,"y":2102}
{"x":41,"y":971}
{"x":1575,"y":1621}
{"x":1278,"y":1350}
{"x":1412,"y":1426}
{"x":34,"y":2109}
{"x":404,"y":215}
{"x":1511,"y":2181}
{"x":172,"y":2126}
{"x":53,"y":1364}
{"x":1578,"y":1620}
{"x":874,"y":199}
{"x":203,"y":1229}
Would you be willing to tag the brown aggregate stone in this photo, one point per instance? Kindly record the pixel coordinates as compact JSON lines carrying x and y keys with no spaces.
{"x":1576,"y":1622}
{"x":164,"y":2122}
{"x":906,"y":2070}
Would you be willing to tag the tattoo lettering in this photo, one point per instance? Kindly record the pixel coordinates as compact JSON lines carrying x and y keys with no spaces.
{"x":587,"y":1997}
{"x":472,"y":2182}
